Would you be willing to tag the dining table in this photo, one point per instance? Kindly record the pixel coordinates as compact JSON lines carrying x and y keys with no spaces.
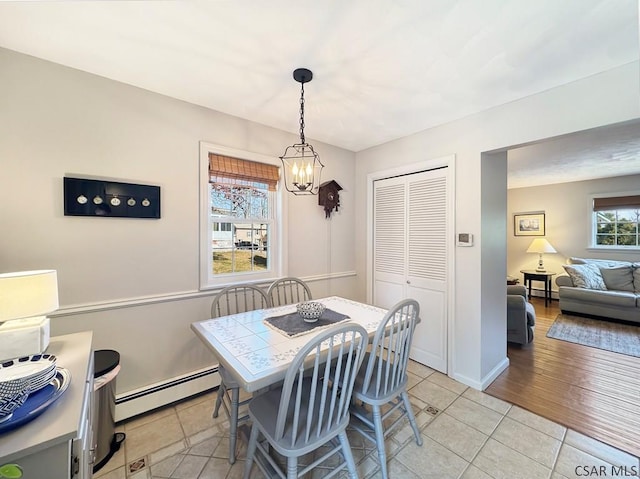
{"x":257,"y":354}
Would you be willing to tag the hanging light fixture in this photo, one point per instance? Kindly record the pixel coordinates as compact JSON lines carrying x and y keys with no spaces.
{"x":301,"y":164}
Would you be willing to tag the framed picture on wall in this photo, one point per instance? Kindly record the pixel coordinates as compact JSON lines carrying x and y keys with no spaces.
{"x":528,"y":224}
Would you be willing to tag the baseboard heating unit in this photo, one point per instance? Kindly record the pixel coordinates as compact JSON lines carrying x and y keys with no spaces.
{"x":153,"y":396}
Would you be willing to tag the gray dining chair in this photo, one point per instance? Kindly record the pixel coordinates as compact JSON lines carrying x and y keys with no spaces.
{"x":311,"y":407}
{"x":232,"y":300}
{"x":383,"y":379}
{"x":288,"y":290}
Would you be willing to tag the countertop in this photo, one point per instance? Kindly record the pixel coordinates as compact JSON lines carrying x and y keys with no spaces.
{"x":62,"y":420}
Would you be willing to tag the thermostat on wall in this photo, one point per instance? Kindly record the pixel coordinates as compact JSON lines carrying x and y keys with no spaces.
{"x":465,"y":239}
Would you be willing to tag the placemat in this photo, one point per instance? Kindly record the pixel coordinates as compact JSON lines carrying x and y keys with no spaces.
{"x":292,"y":324}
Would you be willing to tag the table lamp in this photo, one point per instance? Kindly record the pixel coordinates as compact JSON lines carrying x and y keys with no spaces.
{"x":26,"y":297}
{"x":540,"y":246}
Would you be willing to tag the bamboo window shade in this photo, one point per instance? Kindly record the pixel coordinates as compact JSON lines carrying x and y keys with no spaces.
{"x":616,"y":202}
{"x":224,"y":168}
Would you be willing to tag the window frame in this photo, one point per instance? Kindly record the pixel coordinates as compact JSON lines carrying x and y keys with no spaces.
{"x":594,"y":223}
{"x":277,"y":240}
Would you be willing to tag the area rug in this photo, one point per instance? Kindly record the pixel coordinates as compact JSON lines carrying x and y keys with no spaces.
{"x":597,"y":333}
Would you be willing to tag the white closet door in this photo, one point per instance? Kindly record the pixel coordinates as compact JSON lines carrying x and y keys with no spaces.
{"x":389,"y":240}
{"x":427,"y":265}
{"x":410,"y":255}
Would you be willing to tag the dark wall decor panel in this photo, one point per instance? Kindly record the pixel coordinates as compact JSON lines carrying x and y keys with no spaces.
{"x":110,"y":198}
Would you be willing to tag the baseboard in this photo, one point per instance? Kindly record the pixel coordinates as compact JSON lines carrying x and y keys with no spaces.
{"x":484,"y":382}
{"x":153,"y":396}
{"x":494,"y":373}
{"x":539,"y":293}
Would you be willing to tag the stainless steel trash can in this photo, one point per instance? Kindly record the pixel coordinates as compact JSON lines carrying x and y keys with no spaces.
{"x":105,"y":441}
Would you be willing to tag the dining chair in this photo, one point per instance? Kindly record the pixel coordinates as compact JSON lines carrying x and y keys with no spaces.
{"x":311,"y":407}
{"x":383,"y":378}
{"x":288,"y":290}
{"x":232,"y":300}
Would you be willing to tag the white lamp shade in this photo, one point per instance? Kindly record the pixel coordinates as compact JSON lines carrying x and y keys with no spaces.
{"x":28,"y":293}
{"x":540,"y":245}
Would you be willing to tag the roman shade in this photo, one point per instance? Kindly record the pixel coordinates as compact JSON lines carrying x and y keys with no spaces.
{"x":225,"y":168}
{"x":616,"y":203}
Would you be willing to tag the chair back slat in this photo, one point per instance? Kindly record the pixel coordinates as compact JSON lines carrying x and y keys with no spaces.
{"x":239,"y":299}
{"x":320,"y":379}
{"x":288,"y":291}
{"x":386,"y":369}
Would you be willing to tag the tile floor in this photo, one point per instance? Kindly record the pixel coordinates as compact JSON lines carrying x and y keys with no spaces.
{"x":467,"y":434}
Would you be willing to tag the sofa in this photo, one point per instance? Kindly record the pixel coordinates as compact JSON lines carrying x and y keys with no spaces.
{"x":521,"y":317}
{"x":595,"y":287}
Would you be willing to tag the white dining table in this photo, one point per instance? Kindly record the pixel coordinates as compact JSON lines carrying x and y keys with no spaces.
{"x":258,"y":355}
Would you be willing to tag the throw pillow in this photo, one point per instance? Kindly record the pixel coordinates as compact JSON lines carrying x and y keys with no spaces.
{"x":585,"y":276}
{"x":619,"y":278}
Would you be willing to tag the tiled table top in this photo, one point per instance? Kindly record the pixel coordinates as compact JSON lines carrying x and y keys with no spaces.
{"x":258,"y":355}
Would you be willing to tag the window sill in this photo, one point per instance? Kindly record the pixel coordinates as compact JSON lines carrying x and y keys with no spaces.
{"x":618,"y":249}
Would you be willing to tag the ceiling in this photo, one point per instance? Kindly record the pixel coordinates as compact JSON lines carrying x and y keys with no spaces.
{"x":599,"y":153}
{"x":383,"y":69}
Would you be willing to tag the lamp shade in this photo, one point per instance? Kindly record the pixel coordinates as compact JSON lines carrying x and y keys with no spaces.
{"x":28,"y":293}
{"x":540,"y":245}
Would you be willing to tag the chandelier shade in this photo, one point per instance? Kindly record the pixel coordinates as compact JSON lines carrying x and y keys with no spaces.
{"x":301,"y":164}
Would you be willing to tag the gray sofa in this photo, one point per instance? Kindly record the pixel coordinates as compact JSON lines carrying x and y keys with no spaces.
{"x":610,"y":289}
{"x":521,"y":317}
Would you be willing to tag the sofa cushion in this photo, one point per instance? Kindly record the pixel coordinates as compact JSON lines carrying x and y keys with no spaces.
{"x":636,"y":276}
{"x":623,"y":299}
{"x":585,"y":276}
{"x":619,"y":278}
{"x":602,"y":263}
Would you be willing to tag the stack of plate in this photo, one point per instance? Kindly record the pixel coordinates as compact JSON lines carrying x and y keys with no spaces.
{"x":38,"y":370}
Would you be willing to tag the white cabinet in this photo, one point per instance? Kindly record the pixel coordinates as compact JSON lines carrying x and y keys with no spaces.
{"x":57,"y":444}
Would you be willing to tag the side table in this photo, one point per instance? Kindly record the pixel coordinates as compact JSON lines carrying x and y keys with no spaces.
{"x":544,"y":276}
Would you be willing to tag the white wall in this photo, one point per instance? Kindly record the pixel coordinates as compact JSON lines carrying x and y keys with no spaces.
{"x":567,"y":210}
{"x":609,"y":97}
{"x":135,"y":282}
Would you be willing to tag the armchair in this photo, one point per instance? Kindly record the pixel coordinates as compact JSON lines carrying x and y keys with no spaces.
{"x":521,"y":316}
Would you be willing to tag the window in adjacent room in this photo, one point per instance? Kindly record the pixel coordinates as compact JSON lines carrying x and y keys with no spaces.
{"x":240,"y":217}
{"x":615,"y":222}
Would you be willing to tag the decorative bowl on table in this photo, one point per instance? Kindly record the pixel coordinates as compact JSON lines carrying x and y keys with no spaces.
{"x":310,"y":311}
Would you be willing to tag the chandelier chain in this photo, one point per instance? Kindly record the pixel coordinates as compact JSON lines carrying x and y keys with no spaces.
{"x":302,"y":140}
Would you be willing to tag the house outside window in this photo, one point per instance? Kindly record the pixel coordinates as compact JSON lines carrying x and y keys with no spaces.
{"x":615,"y":222}
{"x":240,"y":220}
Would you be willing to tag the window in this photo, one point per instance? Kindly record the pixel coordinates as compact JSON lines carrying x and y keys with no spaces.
{"x":240,"y":221}
{"x":615,"y":222}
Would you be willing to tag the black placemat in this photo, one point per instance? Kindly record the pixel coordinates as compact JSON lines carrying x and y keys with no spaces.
{"x":293,"y":325}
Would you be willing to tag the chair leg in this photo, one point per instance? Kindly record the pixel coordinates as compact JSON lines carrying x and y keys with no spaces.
{"x":233,"y":424}
{"x":379,"y":429}
{"x":348,"y":455}
{"x":251,"y":450}
{"x":292,"y":468}
{"x":412,"y":418}
{"x":221,"y":392}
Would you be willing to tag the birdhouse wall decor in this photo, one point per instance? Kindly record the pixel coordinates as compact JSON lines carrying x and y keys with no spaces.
{"x":328,"y":196}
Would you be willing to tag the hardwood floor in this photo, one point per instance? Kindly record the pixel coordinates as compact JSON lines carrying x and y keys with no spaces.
{"x":589,"y":390}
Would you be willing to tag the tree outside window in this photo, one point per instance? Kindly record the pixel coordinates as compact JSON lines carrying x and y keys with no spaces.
{"x":617,"y":227}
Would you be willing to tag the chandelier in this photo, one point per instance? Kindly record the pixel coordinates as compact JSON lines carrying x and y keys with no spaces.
{"x":301,"y":164}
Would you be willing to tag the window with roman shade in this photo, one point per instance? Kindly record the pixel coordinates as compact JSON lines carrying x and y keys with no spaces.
{"x":241,"y":217}
{"x":616,"y":221}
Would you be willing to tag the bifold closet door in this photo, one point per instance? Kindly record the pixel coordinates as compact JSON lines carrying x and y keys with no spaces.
{"x":410,"y":253}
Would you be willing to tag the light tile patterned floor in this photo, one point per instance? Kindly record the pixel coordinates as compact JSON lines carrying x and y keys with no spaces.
{"x":467,"y":434}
